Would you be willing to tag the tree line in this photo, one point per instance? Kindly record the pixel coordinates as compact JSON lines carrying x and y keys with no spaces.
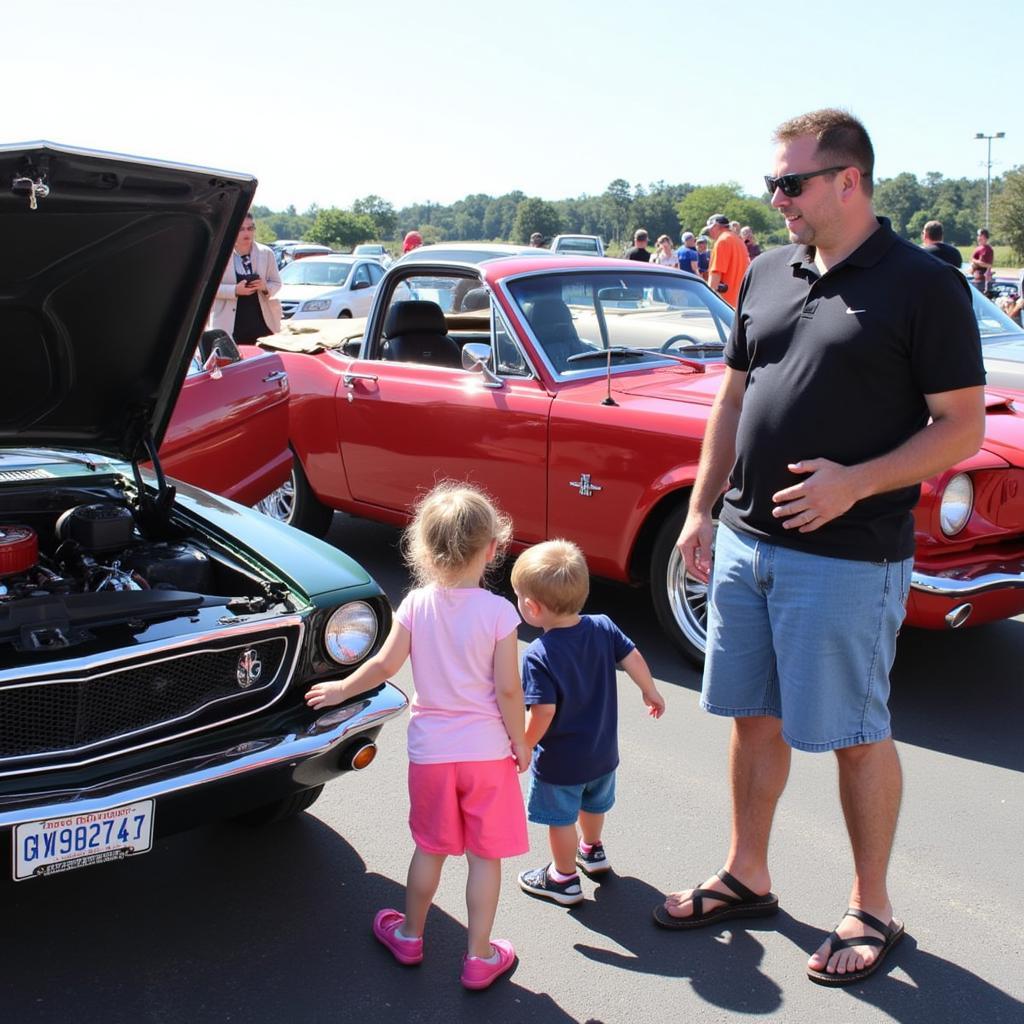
{"x":660,"y":207}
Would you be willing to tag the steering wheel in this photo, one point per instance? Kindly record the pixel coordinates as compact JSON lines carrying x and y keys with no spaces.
{"x":678,"y":337}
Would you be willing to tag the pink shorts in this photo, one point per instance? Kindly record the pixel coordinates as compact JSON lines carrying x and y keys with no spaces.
{"x":468,"y":805}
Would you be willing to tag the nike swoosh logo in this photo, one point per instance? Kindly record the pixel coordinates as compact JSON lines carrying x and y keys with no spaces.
{"x":851,"y":311}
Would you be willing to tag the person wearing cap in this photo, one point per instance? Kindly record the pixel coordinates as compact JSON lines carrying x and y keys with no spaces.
{"x":703,"y":256}
{"x":729,"y":259}
{"x":639,"y":251}
{"x":688,"y":255}
{"x":413,"y":240}
{"x":537,"y":240}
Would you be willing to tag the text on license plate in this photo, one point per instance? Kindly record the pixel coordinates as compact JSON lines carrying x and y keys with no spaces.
{"x":78,"y":840}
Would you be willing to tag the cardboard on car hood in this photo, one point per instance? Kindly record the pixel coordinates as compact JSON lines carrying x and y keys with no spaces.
{"x":105,"y":287}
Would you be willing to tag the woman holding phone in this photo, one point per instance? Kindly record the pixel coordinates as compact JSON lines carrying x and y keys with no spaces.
{"x":244,"y":306}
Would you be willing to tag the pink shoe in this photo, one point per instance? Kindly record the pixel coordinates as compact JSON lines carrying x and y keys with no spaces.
{"x":477,"y":973}
{"x":405,"y":951}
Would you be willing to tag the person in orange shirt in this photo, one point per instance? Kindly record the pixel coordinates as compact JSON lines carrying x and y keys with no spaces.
{"x":729,"y":259}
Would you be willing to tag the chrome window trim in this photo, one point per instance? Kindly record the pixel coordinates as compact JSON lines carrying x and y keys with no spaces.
{"x":601,"y":371}
{"x":498,"y":313}
{"x":281,"y":622}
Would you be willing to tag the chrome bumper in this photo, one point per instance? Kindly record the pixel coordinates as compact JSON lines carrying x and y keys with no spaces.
{"x":329,"y":730}
{"x":971,"y":580}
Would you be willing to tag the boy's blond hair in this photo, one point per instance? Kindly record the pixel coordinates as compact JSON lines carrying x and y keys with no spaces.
{"x":554,"y":574}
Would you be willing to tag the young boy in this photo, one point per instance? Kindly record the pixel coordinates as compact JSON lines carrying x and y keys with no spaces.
{"x":572,"y":714}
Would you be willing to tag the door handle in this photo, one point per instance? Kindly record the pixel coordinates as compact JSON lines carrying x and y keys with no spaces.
{"x":277,"y":375}
{"x":350,"y":378}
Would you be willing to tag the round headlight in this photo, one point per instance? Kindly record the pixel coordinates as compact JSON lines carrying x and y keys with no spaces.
{"x":350,"y":632}
{"x":957,"y":502}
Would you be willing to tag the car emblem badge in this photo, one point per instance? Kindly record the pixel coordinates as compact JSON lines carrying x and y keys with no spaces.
{"x":249,"y":669}
{"x":584,"y":486}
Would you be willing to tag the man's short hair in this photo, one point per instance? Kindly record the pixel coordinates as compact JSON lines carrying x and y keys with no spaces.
{"x":983,"y":231}
{"x":746,"y":232}
{"x":842,"y":139}
{"x":933,"y":231}
{"x":554,"y":574}
{"x":640,"y":233}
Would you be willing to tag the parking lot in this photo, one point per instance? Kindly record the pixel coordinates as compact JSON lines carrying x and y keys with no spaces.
{"x":231,"y":924}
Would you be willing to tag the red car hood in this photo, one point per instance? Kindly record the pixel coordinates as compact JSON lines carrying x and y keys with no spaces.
{"x":1004,"y":426}
{"x":675,"y":385}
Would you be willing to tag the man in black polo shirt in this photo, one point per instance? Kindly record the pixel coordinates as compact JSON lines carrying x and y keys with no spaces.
{"x":853,"y":372}
{"x":931,"y":242}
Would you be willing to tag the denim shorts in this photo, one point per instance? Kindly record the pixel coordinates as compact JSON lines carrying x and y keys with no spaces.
{"x":551,"y":804}
{"x":804,"y":638}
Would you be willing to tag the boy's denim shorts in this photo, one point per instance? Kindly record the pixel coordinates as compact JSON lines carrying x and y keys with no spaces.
{"x":550,"y":804}
{"x":804,"y":638}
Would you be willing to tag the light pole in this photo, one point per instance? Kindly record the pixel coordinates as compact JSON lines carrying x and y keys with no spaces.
{"x":988,"y":167}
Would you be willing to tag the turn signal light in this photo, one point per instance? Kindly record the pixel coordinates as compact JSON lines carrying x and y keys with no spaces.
{"x":362,"y":756}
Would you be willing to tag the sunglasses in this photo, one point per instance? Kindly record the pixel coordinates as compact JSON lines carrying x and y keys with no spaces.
{"x":793,"y":184}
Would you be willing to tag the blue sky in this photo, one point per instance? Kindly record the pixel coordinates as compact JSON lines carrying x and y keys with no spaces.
{"x":416,"y":100}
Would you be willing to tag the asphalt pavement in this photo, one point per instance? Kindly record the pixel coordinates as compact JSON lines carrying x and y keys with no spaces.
{"x":231,"y":924}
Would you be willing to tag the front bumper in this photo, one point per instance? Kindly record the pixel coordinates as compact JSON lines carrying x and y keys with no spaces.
{"x":967,"y":581}
{"x":304,"y":759}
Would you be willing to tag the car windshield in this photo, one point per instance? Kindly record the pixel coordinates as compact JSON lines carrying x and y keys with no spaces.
{"x":368,"y":250}
{"x":993,"y":323}
{"x":584,"y":246}
{"x":315,"y":272}
{"x":578,"y":316}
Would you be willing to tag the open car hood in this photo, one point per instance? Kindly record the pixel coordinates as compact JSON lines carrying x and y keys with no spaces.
{"x":104,"y":290}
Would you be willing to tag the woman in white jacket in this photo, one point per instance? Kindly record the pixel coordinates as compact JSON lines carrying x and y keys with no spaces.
{"x":244,"y":306}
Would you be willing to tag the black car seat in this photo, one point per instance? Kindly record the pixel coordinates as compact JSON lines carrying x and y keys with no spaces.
{"x":552,"y":323}
{"x":415,"y":332}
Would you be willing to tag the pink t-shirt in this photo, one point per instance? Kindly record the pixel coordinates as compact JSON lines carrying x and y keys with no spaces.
{"x":454,"y":714}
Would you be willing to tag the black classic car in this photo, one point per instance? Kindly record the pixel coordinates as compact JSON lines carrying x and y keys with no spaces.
{"x":155,"y":639}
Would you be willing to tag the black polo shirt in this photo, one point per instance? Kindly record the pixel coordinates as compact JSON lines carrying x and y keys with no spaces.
{"x":837,"y":368}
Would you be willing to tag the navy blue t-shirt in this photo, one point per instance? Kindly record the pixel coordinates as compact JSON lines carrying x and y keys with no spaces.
{"x":574,"y":669}
{"x":688,"y":259}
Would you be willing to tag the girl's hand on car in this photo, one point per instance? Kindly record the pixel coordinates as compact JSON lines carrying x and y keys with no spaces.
{"x":325,"y":695}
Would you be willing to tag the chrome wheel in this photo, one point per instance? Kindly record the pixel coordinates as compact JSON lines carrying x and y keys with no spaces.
{"x":280,"y":504}
{"x":688,"y":599}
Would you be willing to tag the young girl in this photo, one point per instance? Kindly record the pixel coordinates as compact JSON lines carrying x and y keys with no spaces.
{"x":467,"y":725}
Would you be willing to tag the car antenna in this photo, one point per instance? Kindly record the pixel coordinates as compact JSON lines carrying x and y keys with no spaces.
{"x":608,"y":400}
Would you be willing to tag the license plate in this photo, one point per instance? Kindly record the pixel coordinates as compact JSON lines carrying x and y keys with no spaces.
{"x":78,"y":840}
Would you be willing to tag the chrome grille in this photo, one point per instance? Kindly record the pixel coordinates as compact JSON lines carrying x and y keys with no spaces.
{"x":288,"y":309}
{"x":63,"y":715}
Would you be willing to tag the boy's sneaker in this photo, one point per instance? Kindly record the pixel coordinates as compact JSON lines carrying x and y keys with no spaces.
{"x":539,"y":883}
{"x":594,"y":863}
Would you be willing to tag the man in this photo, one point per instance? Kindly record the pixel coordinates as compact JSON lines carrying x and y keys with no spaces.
{"x":729,"y":259}
{"x":703,"y":256}
{"x":734,"y":226}
{"x":688,"y":255}
{"x":981,"y":262}
{"x":639,"y":250}
{"x":537,"y":240}
{"x":931,"y":242}
{"x":750,"y":241}
{"x":852,"y":373}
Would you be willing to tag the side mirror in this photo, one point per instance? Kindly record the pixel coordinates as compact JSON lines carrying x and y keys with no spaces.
{"x":476,"y":358}
{"x":212,"y":364}
{"x":360,"y":285}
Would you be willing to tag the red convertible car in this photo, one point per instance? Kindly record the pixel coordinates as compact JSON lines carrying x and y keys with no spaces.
{"x":577,"y":391}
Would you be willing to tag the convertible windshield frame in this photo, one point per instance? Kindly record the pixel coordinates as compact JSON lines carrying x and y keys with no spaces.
{"x":603,"y":317}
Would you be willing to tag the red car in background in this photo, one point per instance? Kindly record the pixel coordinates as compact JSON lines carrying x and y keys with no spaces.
{"x":577,"y":391}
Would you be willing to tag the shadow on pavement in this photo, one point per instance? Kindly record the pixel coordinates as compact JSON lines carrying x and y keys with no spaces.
{"x":219,"y":938}
{"x":723,"y":964}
